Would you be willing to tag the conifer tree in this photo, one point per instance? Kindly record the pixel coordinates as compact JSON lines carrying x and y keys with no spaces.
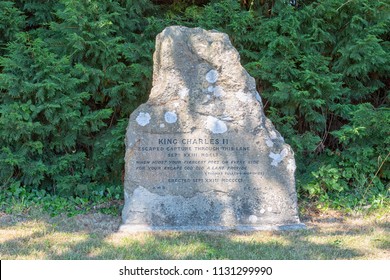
{"x":12,"y":21}
{"x":42,"y":118}
{"x":70,"y":79}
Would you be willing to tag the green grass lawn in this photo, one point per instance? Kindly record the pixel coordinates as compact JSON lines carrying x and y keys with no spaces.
{"x":94,"y":236}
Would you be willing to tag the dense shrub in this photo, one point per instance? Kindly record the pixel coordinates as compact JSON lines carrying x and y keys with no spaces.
{"x":71,"y":75}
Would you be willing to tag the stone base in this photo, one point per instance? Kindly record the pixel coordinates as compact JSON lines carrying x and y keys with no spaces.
{"x":146,"y":228}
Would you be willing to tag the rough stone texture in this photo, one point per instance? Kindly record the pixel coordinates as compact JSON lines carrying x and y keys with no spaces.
{"x":200,"y":154}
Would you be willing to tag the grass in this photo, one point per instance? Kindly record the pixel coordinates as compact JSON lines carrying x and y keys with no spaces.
{"x":330,"y":235}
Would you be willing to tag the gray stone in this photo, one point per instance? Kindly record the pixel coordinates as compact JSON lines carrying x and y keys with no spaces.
{"x":200,"y":153}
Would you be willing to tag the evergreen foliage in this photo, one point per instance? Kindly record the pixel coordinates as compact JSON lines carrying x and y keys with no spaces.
{"x":12,"y":21}
{"x":70,"y":78}
{"x":71,"y":72}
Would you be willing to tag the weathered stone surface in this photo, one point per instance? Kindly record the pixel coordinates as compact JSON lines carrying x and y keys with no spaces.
{"x":200,"y":154}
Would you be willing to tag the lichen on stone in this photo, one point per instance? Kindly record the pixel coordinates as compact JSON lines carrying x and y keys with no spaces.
{"x":215,"y":125}
{"x":258,"y":98}
{"x":143,"y":118}
{"x":170,"y":117}
{"x":277,"y":158}
{"x":243,"y":96}
{"x":218,"y":92}
{"x":269,"y":143}
{"x":212,"y":76}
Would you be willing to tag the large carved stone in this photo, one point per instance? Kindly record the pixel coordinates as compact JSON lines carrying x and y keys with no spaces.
{"x":200,"y":154}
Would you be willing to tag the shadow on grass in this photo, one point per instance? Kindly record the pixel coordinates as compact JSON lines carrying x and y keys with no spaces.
{"x":210,"y":246}
{"x":54,"y":241}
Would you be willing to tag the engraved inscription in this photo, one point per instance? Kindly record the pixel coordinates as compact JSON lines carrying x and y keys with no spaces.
{"x":191,"y":161}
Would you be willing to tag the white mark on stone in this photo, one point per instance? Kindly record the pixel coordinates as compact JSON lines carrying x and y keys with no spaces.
{"x":215,"y":125}
{"x":284,"y":152}
{"x":269,"y":209}
{"x":291,"y":165}
{"x":212,"y":76}
{"x":183,"y":93}
{"x":258,"y":98}
{"x":210,"y":89}
{"x":143,"y":118}
{"x":269,"y":143}
{"x":273,"y":134}
{"x":170,"y":117}
{"x":219,"y":92}
{"x":228,"y":119}
{"x":162,"y":125}
{"x":262,"y":211}
{"x":252,"y":219}
{"x":277,"y":158}
{"x":243,"y":97}
{"x":176,"y":104}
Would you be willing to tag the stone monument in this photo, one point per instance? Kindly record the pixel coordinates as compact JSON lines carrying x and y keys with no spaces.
{"x":200,"y":153}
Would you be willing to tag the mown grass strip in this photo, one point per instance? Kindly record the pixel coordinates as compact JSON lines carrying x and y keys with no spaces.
{"x":95,"y":236}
